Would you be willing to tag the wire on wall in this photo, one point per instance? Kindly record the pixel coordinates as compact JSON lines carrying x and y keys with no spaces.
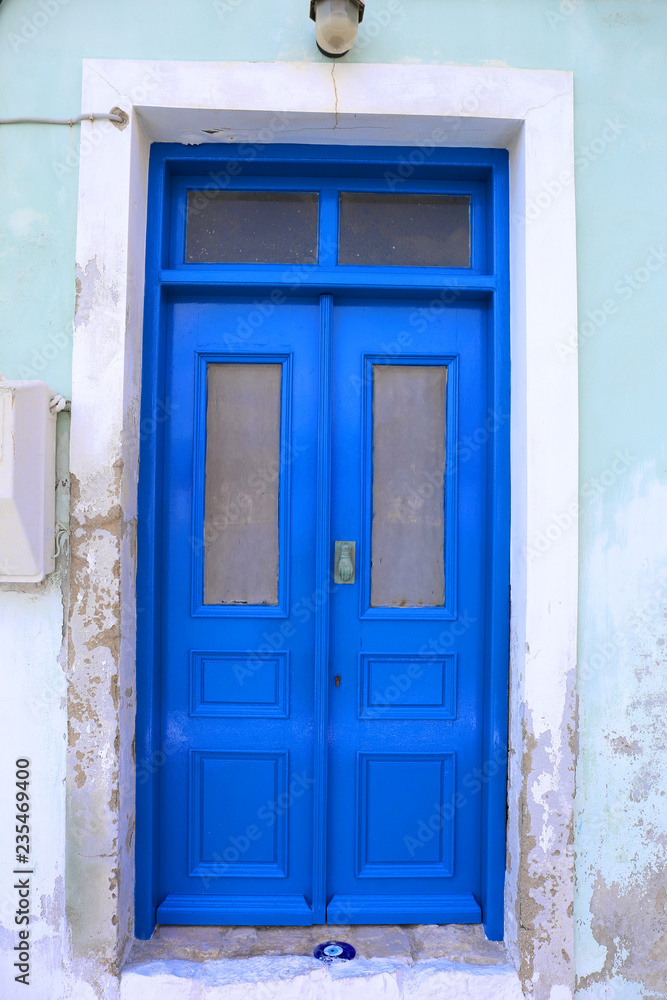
{"x":92,"y":116}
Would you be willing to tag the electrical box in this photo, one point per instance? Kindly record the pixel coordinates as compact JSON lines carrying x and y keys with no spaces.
{"x":27,"y":481}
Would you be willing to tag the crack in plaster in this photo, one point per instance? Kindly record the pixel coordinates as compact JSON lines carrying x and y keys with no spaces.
{"x":538,"y":107}
{"x":333,"y":80}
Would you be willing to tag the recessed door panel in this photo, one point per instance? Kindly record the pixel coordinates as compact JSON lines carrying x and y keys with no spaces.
{"x":407,"y":686}
{"x":237,"y":684}
{"x":396,"y":791}
{"x":228,"y":791}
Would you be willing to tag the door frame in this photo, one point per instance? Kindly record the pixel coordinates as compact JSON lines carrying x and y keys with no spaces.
{"x":483,"y":174}
{"x":528,"y":112}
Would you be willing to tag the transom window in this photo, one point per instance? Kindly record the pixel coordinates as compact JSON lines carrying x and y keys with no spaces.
{"x":241,"y":221}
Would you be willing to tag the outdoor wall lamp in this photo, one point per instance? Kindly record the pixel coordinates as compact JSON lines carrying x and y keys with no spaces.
{"x":336,"y":22}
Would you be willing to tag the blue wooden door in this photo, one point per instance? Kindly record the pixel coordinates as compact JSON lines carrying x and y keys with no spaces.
{"x":236,"y":786}
{"x":323,"y":580}
{"x":240,"y":784}
{"x":407,"y":636}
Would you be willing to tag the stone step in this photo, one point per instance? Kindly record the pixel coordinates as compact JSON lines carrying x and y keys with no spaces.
{"x":294,"y":977}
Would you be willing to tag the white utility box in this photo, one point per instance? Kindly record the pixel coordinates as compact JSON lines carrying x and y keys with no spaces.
{"x":27,"y":481}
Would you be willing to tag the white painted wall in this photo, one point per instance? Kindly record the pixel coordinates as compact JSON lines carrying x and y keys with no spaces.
{"x":34,"y":726}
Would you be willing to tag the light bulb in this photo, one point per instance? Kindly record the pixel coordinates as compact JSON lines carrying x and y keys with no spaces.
{"x":336,"y":22}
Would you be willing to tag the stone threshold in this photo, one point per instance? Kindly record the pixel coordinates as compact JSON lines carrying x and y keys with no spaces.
{"x":276,"y":963}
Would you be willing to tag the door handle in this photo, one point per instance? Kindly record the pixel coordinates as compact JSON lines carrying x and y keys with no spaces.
{"x":344,"y":562}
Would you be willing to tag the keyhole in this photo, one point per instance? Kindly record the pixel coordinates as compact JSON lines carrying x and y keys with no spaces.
{"x":337,"y":680}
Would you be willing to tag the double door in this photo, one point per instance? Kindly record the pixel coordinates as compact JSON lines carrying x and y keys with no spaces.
{"x":323,"y":608}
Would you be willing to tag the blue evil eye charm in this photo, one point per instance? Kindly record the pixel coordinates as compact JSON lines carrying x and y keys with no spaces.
{"x":334,"y":951}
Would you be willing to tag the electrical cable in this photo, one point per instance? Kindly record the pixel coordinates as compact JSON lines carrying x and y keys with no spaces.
{"x":93,"y":116}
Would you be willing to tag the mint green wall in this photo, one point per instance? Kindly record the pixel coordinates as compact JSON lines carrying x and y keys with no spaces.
{"x":617,"y":52}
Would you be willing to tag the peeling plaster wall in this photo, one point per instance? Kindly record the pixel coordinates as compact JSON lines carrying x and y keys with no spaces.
{"x":616,"y":50}
{"x":101,"y":709}
{"x":622,"y":800}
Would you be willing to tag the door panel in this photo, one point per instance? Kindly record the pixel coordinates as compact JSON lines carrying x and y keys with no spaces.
{"x":237,"y":690}
{"x":409,"y":384}
{"x":238,"y":787}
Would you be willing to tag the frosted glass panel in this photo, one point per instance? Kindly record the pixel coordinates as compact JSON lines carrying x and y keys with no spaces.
{"x":241,"y":546}
{"x":251,"y":227}
{"x":405,"y":230}
{"x":408,"y":531}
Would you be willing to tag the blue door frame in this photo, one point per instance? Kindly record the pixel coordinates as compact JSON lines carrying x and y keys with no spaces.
{"x":484,"y":176}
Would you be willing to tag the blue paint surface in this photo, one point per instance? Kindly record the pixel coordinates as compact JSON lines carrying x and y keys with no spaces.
{"x":283,"y":797}
{"x":393,"y":810}
{"x":250,"y":820}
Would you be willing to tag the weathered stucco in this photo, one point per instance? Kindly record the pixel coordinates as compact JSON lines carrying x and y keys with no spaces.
{"x":540,"y":838}
{"x":101,"y":636}
{"x":544,"y":902}
{"x":93,"y":727}
{"x":622,"y":784}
